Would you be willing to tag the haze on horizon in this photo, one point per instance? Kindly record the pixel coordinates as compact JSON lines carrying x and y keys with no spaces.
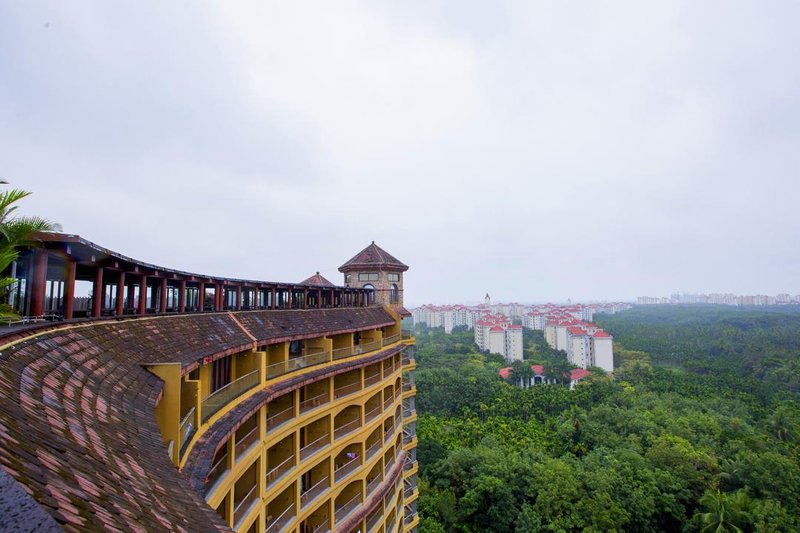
{"x":537,"y":151}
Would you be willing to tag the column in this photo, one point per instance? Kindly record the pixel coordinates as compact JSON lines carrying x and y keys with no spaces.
{"x":272,"y":304}
{"x":69,"y":290}
{"x":121,"y":294}
{"x":162,"y":304}
{"x":143,"y":295}
{"x":239,"y":298}
{"x":182,"y":297}
{"x":201,"y":297}
{"x":319,"y":298}
{"x":305,"y":298}
{"x":39,"y":283}
{"x":97,"y":293}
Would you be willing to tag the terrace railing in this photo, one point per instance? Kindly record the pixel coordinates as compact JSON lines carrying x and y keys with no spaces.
{"x":224,"y":395}
{"x":278,"y":471}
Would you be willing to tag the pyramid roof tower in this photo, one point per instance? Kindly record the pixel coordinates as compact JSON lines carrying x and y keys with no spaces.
{"x":373,"y":256}
{"x":317,"y":280}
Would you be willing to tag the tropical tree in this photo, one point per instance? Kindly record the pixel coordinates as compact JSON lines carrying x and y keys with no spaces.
{"x":725,"y":513}
{"x":16,"y":231}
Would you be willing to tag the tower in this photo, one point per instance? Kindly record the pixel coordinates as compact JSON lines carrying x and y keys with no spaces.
{"x":374,"y":268}
{"x":487,"y":300}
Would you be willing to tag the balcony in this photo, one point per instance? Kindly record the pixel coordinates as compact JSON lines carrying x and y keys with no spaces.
{"x":410,"y":517}
{"x":391,"y":339}
{"x":346,"y":429}
{"x":372,"y":380}
{"x":409,"y":465}
{"x":319,"y":488}
{"x":370,"y":415}
{"x":373,"y":449}
{"x":310,"y":404}
{"x":374,"y":521}
{"x":216,"y":400}
{"x":313,"y":447}
{"x":283,"y":519}
{"x":388,"y":402}
{"x":365,"y":347}
{"x":407,"y":334}
{"x":243,"y":444}
{"x":217,"y":471}
{"x":276,"y":420}
{"x":344,"y":510}
{"x":310,"y":359}
{"x":408,"y":360}
{"x":372,"y":485}
{"x":346,"y":390}
{"x":187,"y":428}
{"x":346,"y":469}
{"x":278,"y":471}
{"x":388,"y":467}
{"x":245,"y":504}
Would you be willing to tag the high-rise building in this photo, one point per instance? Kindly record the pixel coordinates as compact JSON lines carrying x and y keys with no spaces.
{"x":176,"y":401}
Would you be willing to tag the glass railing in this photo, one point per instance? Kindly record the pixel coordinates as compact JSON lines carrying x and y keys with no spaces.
{"x":277,"y":419}
{"x":221,"y":397}
{"x":407,"y":333}
{"x":346,"y":429}
{"x":278,"y":471}
{"x":278,"y":523}
{"x":409,"y":465}
{"x":370,"y":415}
{"x":245,"y":504}
{"x":217,"y":470}
{"x":346,"y":390}
{"x":388,"y":401}
{"x":315,"y":492}
{"x":391,"y":339}
{"x":296,"y":363}
{"x":313,"y":447}
{"x":374,"y":521}
{"x":371,"y":380}
{"x":388,"y":467}
{"x":410,"y":517}
{"x":365,"y":347}
{"x":344,"y":510}
{"x":187,"y":427}
{"x":312,"y":403}
{"x":373,"y":449}
{"x":372,"y":485}
{"x":243,"y":444}
{"x":346,"y":469}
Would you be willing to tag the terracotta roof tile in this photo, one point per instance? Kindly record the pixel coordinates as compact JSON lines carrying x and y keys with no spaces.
{"x":373,"y":256}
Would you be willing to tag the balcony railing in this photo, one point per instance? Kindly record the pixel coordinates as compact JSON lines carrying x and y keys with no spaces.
{"x":346,"y":390}
{"x":374,"y":521}
{"x":243,"y":444}
{"x":409,"y":465}
{"x":346,"y":429}
{"x":276,"y":420}
{"x":372,"y":485}
{"x":187,"y":427}
{"x":408,"y":492}
{"x":407,"y":438}
{"x":387,"y":371}
{"x":322,"y":528}
{"x":388,"y":401}
{"x":277,"y":524}
{"x":373,"y":449}
{"x":398,"y":421}
{"x":344,"y":510}
{"x":346,"y":469}
{"x":280,"y":470}
{"x":312,"y":403}
{"x":391,"y":339}
{"x":407,"y":387}
{"x":407,"y":360}
{"x":315,"y":491}
{"x":365,"y":347}
{"x":372,"y":413}
{"x":296,"y":363}
{"x":221,"y":397}
{"x":217,"y":470}
{"x":388,"y":467}
{"x":407,"y":333}
{"x":313,"y":447}
{"x":246,"y":503}
{"x":371,"y":380}
{"x":410,"y":517}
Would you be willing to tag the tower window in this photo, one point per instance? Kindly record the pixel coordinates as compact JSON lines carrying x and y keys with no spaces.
{"x":368,"y":276}
{"x":393,"y":277}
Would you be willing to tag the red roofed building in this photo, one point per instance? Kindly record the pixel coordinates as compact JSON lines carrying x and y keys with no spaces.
{"x":539,"y":377}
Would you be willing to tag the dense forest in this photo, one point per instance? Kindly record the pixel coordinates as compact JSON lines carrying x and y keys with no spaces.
{"x":699,"y":430}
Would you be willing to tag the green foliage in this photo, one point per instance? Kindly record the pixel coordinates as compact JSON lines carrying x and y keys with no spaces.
{"x":698,"y":430}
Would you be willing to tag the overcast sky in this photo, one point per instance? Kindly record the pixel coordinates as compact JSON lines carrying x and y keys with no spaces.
{"x":534,"y":150}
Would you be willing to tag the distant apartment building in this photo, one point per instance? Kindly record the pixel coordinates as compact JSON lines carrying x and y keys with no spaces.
{"x":719,"y":299}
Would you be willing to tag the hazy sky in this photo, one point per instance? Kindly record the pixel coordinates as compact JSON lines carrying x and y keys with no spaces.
{"x":534,"y":150}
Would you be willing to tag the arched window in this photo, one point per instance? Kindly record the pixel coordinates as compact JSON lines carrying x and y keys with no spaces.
{"x":394,"y":295}
{"x":371,"y":293}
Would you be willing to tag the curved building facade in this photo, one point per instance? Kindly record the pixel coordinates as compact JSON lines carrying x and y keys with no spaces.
{"x":186,"y":402}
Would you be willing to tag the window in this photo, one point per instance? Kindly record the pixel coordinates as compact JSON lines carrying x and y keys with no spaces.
{"x":393,"y":277}
{"x":368,"y":276}
{"x":347,"y":279}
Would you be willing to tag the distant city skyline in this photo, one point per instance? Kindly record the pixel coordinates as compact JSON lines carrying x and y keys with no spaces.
{"x":542,"y":149}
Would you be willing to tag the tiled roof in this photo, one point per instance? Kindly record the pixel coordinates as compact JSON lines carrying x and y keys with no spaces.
{"x":601,"y":334}
{"x":373,"y":256}
{"x":317,"y":280}
{"x":77,"y":411}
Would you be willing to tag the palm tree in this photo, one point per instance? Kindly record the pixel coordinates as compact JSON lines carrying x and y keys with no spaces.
{"x":725,"y":514}
{"x":15,"y":231}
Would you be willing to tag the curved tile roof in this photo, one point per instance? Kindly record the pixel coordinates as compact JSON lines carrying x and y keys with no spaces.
{"x":373,"y":256}
{"x":77,"y":423}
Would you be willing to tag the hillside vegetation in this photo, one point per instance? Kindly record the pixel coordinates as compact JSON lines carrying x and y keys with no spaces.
{"x":699,"y":430}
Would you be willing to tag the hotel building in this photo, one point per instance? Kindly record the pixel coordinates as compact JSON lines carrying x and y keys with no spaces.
{"x":174,"y":401}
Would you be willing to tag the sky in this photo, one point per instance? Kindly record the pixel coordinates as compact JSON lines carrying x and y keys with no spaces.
{"x":538,"y":151}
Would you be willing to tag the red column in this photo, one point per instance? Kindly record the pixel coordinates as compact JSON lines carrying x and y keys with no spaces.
{"x":97,"y":293}
{"x":121,"y":294}
{"x":238,"y":297}
{"x":162,"y":304}
{"x":143,"y":295}
{"x":201,"y":297}
{"x":305,"y":298}
{"x":273,"y":298}
{"x":69,"y":290}
{"x":38,"y":282}
{"x":220,"y":293}
{"x":319,"y":298}
{"x":182,"y":297}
